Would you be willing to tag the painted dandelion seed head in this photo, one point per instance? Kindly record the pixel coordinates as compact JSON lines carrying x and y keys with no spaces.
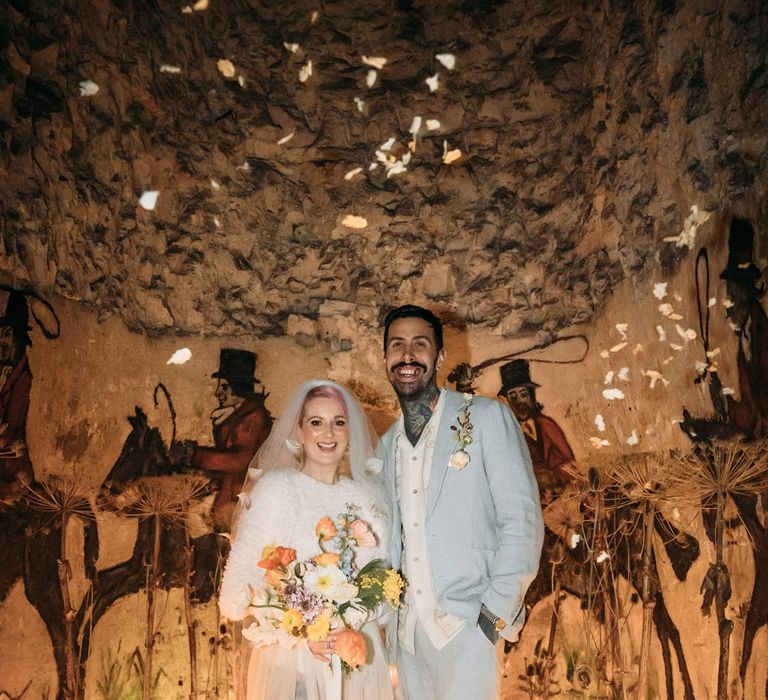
{"x":166,"y":497}
{"x":61,"y":497}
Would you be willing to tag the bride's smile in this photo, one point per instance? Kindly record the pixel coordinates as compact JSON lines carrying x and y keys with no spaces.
{"x":324,"y":436}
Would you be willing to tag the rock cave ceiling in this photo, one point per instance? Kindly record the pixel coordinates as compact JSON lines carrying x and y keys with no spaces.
{"x":584,"y":134}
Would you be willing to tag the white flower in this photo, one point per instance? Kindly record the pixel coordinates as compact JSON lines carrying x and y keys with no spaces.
{"x":324,"y":580}
{"x":344,"y":592}
{"x":459,"y":460}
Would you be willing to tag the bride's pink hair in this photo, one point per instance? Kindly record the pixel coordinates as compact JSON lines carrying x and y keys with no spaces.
{"x":323,"y":392}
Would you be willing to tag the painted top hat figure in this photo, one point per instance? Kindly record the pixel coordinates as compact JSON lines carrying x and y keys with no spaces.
{"x":15,"y":386}
{"x":241,"y":423}
{"x":549,"y":448}
{"x":748,"y":414}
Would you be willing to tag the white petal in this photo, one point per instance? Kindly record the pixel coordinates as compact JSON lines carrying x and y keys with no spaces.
{"x":624,"y":374}
{"x":200,"y":5}
{"x":608,"y":378}
{"x":574,"y":540}
{"x":600,"y":423}
{"x":612,"y":394}
{"x":727,"y":303}
{"x":666,"y":309}
{"x":433,"y":124}
{"x":292,"y":47}
{"x":360,"y":104}
{"x":727,"y":391}
{"x":314,"y":17}
{"x":351,"y":173}
{"x":88,"y":88}
{"x":598,"y":442}
{"x":241,"y":80}
{"x":370,"y":78}
{"x":216,"y":222}
{"x":676,"y":347}
{"x":181,"y":356}
{"x":452,"y":156}
{"x":713,"y":353}
{"x":396,"y":169}
{"x":605,"y":354}
{"x":415,"y":126}
{"x":433,"y":82}
{"x":166,"y":68}
{"x":622,"y":329}
{"x":668,"y":360}
{"x":712,"y":301}
{"x":662,"y":334}
{"x":447,"y":59}
{"x":215,"y":185}
{"x":387,"y":145}
{"x":373,"y":166}
{"x":353,"y":221}
{"x":685,"y":333}
{"x":245,"y":166}
{"x":186,"y":10}
{"x":638,"y":348}
{"x":148,"y":199}
{"x":305,"y":72}
{"x":226,"y":67}
{"x":602,"y":556}
{"x":660,"y":290}
{"x":286,"y":138}
{"x":618,"y":346}
{"x":377,"y":62}
{"x":633,"y":439}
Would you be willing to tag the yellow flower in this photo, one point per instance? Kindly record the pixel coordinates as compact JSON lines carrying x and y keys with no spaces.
{"x":393,"y":587}
{"x":318,"y":630}
{"x":292,"y":621}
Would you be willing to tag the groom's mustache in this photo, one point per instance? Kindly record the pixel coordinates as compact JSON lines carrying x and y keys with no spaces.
{"x":418,"y":365}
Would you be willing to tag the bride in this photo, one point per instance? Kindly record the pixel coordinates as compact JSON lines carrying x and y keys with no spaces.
{"x":311,"y":466}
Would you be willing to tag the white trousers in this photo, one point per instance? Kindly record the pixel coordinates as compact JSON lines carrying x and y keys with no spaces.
{"x":464,"y":669}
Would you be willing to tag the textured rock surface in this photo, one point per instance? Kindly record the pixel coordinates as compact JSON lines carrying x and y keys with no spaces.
{"x":587,"y":132}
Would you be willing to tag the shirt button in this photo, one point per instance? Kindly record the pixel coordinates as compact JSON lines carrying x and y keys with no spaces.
{"x":419,"y":591}
{"x":415,"y":459}
{"x":415,"y":491}
{"x":415,"y":524}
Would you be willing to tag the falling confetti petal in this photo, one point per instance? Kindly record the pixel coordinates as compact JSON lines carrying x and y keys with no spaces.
{"x":677,"y":297}
{"x":181,"y":356}
{"x":685,"y":334}
{"x":660,"y":290}
{"x":600,"y":423}
{"x":622,"y":329}
{"x":88,"y":88}
{"x":226,"y":68}
{"x":360,"y":104}
{"x":447,"y":59}
{"x":666,"y":309}
{"x":314,"y":17}
{"x":713,"y":353}
{"x":387,"y":145}
{"x":216,"y":222}
{"x":352,"y":221}
{"x":712,"y":301}
{"x":727,"y":303}
{"x":727,"y":391}
{"x":433,"y":82}
{"x":377,"y":62}
{"x":450,"y":156}
{"x":668,"y":360}
{"x":574,"y":540}
{"x":612,"y":394}
{"x":244,"y":166}
{"x":373,"y":166}
{"x":687,"y":237}
{"x":200,"y":5}
{"x":602,"y":556}
{"x":370,"y":78}
{"x":676,"y":347}
{"x":415,"y":126}
{"x":662,"y":334}
{"x":351,"y":173}
{"x":608,"y":378}
{"x":305,"y":72}
{"x":286,"y":138}
{"x":433,"y":124}
{"x":701,"y":367}
{"x":633,"y":439}
{"x":638,"y":348}
{"x":605,"y":354}
{"x":623,"y":374}
{"x":397,"y":168}
{"x":241,"y":80}
{"x":292,"y":47}
{"x":618,"y":346}
{"x":215,"y":185}
{"x":598,"y":442}
{"x":166,"y":68}
{"x":149,"y":199}
{"x":655,"y":376}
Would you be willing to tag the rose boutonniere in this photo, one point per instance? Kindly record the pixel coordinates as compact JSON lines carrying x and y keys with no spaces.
{"x":460,"y":457}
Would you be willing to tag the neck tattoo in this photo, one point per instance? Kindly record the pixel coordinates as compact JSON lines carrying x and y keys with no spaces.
{"x":418,"y":410}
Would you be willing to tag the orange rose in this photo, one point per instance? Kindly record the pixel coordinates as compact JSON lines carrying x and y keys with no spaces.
{"x":362,"y":534}
{"x":325,"y":529}
{"x":274,"y":557}
{"x":326,"y":559}
{"x":350,"y":647}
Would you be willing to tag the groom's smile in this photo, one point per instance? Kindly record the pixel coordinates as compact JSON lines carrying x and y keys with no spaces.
{"x":411,"y":357}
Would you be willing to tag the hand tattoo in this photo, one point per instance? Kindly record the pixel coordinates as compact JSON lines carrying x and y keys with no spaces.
{"x":417,"y":411}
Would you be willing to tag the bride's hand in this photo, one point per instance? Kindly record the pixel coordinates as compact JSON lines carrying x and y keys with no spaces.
{"x":322,"y":651}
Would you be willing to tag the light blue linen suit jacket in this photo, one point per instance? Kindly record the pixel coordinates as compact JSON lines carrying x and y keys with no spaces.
{"x":483,"y":523}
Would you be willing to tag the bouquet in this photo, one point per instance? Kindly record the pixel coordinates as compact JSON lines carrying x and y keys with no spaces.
{"x":306,"y":600}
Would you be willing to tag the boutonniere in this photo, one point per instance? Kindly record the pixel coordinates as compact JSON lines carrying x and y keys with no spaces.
{"x":460,"y":457}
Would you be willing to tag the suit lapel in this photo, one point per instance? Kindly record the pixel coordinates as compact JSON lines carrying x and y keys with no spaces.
{"x":446,"y":442}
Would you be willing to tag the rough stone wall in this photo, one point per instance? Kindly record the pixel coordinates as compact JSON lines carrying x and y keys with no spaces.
{"x":586,"y":131}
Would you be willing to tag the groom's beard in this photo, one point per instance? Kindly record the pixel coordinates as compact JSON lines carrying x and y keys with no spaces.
{"x":410,"y":391}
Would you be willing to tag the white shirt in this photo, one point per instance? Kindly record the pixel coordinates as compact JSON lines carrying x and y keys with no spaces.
{"x":413,"y":465}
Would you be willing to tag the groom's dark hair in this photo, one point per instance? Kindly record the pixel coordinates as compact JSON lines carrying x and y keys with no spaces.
{"x":412,"y":311}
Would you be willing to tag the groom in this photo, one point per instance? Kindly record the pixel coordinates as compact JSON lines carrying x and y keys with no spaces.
{"x":467,"y":525}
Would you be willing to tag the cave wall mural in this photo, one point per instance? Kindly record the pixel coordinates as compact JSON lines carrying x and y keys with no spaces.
{"x":579,"y":192}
